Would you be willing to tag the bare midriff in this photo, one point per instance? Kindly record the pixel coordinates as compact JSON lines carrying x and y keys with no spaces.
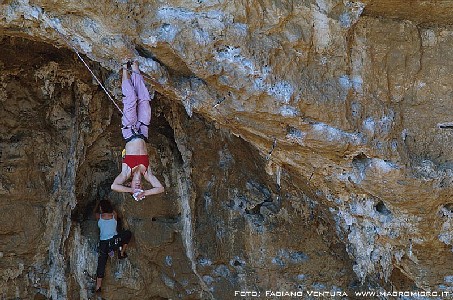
{"x":136,"y":147}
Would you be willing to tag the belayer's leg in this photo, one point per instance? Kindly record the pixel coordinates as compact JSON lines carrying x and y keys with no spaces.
{"x":102,"y":261}
{"x":129,"y":118}
{"x":143,"y":102}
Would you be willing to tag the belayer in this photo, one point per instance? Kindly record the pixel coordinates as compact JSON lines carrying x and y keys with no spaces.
{"x":136,"y":119}
{"x":110,"y":239}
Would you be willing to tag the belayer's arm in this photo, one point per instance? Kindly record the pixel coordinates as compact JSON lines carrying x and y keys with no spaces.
{"x":96,"y":212}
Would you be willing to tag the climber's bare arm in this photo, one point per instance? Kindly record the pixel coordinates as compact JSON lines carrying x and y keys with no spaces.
{"x":118,"y":183}
{"x":157,"y":186}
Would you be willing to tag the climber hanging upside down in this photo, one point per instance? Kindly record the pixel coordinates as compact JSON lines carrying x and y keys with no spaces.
{"x":136,"y":119}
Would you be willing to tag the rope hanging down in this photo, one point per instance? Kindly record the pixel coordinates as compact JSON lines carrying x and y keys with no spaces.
{"x":92,"y":73}
{"x":154,"y":81}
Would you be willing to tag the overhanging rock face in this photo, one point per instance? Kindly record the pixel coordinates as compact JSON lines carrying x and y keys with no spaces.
{"x":423,"y":13}
{"x":270,"y":117}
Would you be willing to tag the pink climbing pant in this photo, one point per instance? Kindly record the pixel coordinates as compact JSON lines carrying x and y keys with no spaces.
{"x":137,"y":108}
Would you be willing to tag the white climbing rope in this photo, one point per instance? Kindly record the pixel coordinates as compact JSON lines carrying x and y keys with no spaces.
{"x":46,"y":19}
{"x":91,"y":71}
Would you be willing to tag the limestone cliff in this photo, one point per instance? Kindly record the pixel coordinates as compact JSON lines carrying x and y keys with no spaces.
{"x":298,"y":142}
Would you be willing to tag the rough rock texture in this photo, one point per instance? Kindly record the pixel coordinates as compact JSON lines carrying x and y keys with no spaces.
{"x":243,"y":235}
{"x":297,"y":140}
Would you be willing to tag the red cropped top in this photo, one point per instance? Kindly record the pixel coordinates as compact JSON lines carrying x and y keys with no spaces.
{"x":135,"y":160}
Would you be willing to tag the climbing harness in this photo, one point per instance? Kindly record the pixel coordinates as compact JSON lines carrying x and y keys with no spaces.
{"x":135,"y":133}
{"x":112,"y":245}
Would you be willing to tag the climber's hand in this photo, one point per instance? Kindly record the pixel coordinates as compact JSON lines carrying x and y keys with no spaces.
{"x":141,"y":195}
{"x":138,"y":194}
